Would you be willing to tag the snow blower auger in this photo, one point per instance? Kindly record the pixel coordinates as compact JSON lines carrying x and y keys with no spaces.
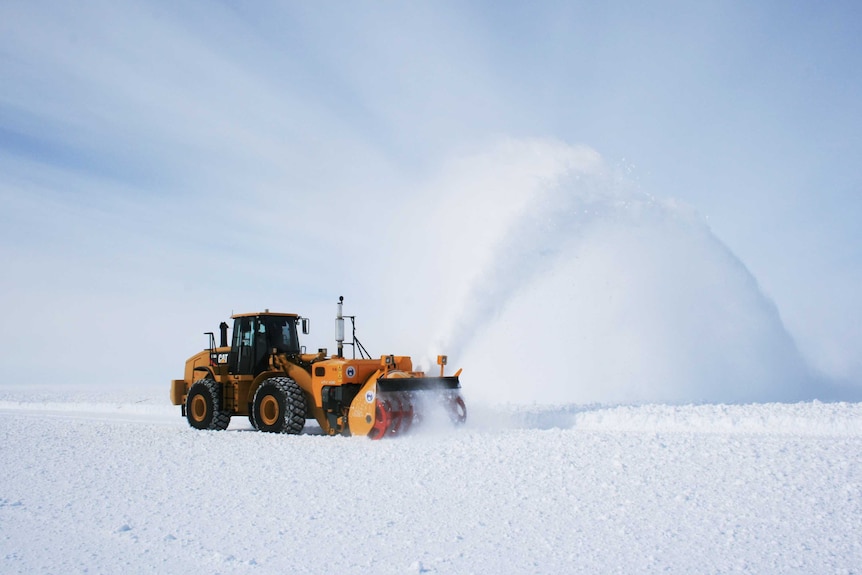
{"x":266,"y":375}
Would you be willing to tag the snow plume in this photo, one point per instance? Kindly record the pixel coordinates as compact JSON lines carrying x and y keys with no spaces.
{"x":565,"y":283}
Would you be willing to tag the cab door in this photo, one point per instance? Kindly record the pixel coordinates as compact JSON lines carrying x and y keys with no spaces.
{"x":242,"y":357}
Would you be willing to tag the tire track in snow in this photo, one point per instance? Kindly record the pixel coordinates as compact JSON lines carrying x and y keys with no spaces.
{"x":806,"y":419}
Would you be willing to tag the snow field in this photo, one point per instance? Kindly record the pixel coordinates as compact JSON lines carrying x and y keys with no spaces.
{"x":693,"y":489}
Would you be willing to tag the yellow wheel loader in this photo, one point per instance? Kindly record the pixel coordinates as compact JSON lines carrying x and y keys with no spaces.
{"x":266,"y":375}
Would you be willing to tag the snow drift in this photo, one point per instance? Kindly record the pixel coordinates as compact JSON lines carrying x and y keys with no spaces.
{"x":97,"y":484}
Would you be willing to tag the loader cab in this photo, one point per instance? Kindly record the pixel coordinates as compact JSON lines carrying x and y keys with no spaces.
{"x":255,"y":336}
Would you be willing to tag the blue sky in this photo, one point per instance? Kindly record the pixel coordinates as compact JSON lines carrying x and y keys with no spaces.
{"x":162,"y":164}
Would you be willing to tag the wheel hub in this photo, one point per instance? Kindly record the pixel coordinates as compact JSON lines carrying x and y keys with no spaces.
{"x":199,"y":408}
{"x":269,"y":410}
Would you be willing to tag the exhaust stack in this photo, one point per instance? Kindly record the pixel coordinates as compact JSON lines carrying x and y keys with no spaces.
{"x":223,"y":329}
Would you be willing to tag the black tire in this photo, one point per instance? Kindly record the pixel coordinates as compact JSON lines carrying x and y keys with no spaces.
{"x":279,"y":406}
{"x":203,"y":406}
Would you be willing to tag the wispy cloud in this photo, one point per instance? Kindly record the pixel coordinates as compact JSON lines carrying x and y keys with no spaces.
{"x":167,"y":160}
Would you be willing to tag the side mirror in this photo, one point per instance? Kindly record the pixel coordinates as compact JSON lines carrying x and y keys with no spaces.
{"x":306,"y":325}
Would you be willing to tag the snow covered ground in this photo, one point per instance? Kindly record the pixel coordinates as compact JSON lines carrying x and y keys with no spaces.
{"x":121,"y":484}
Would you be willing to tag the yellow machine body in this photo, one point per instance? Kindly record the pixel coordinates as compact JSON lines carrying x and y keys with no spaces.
{"x":264,"y":375}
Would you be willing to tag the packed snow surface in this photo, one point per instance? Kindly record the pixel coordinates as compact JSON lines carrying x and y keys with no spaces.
{"x":123,"y":485}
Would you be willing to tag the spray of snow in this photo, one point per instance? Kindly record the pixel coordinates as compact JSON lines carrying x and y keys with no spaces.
{"x":557,"y":280}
